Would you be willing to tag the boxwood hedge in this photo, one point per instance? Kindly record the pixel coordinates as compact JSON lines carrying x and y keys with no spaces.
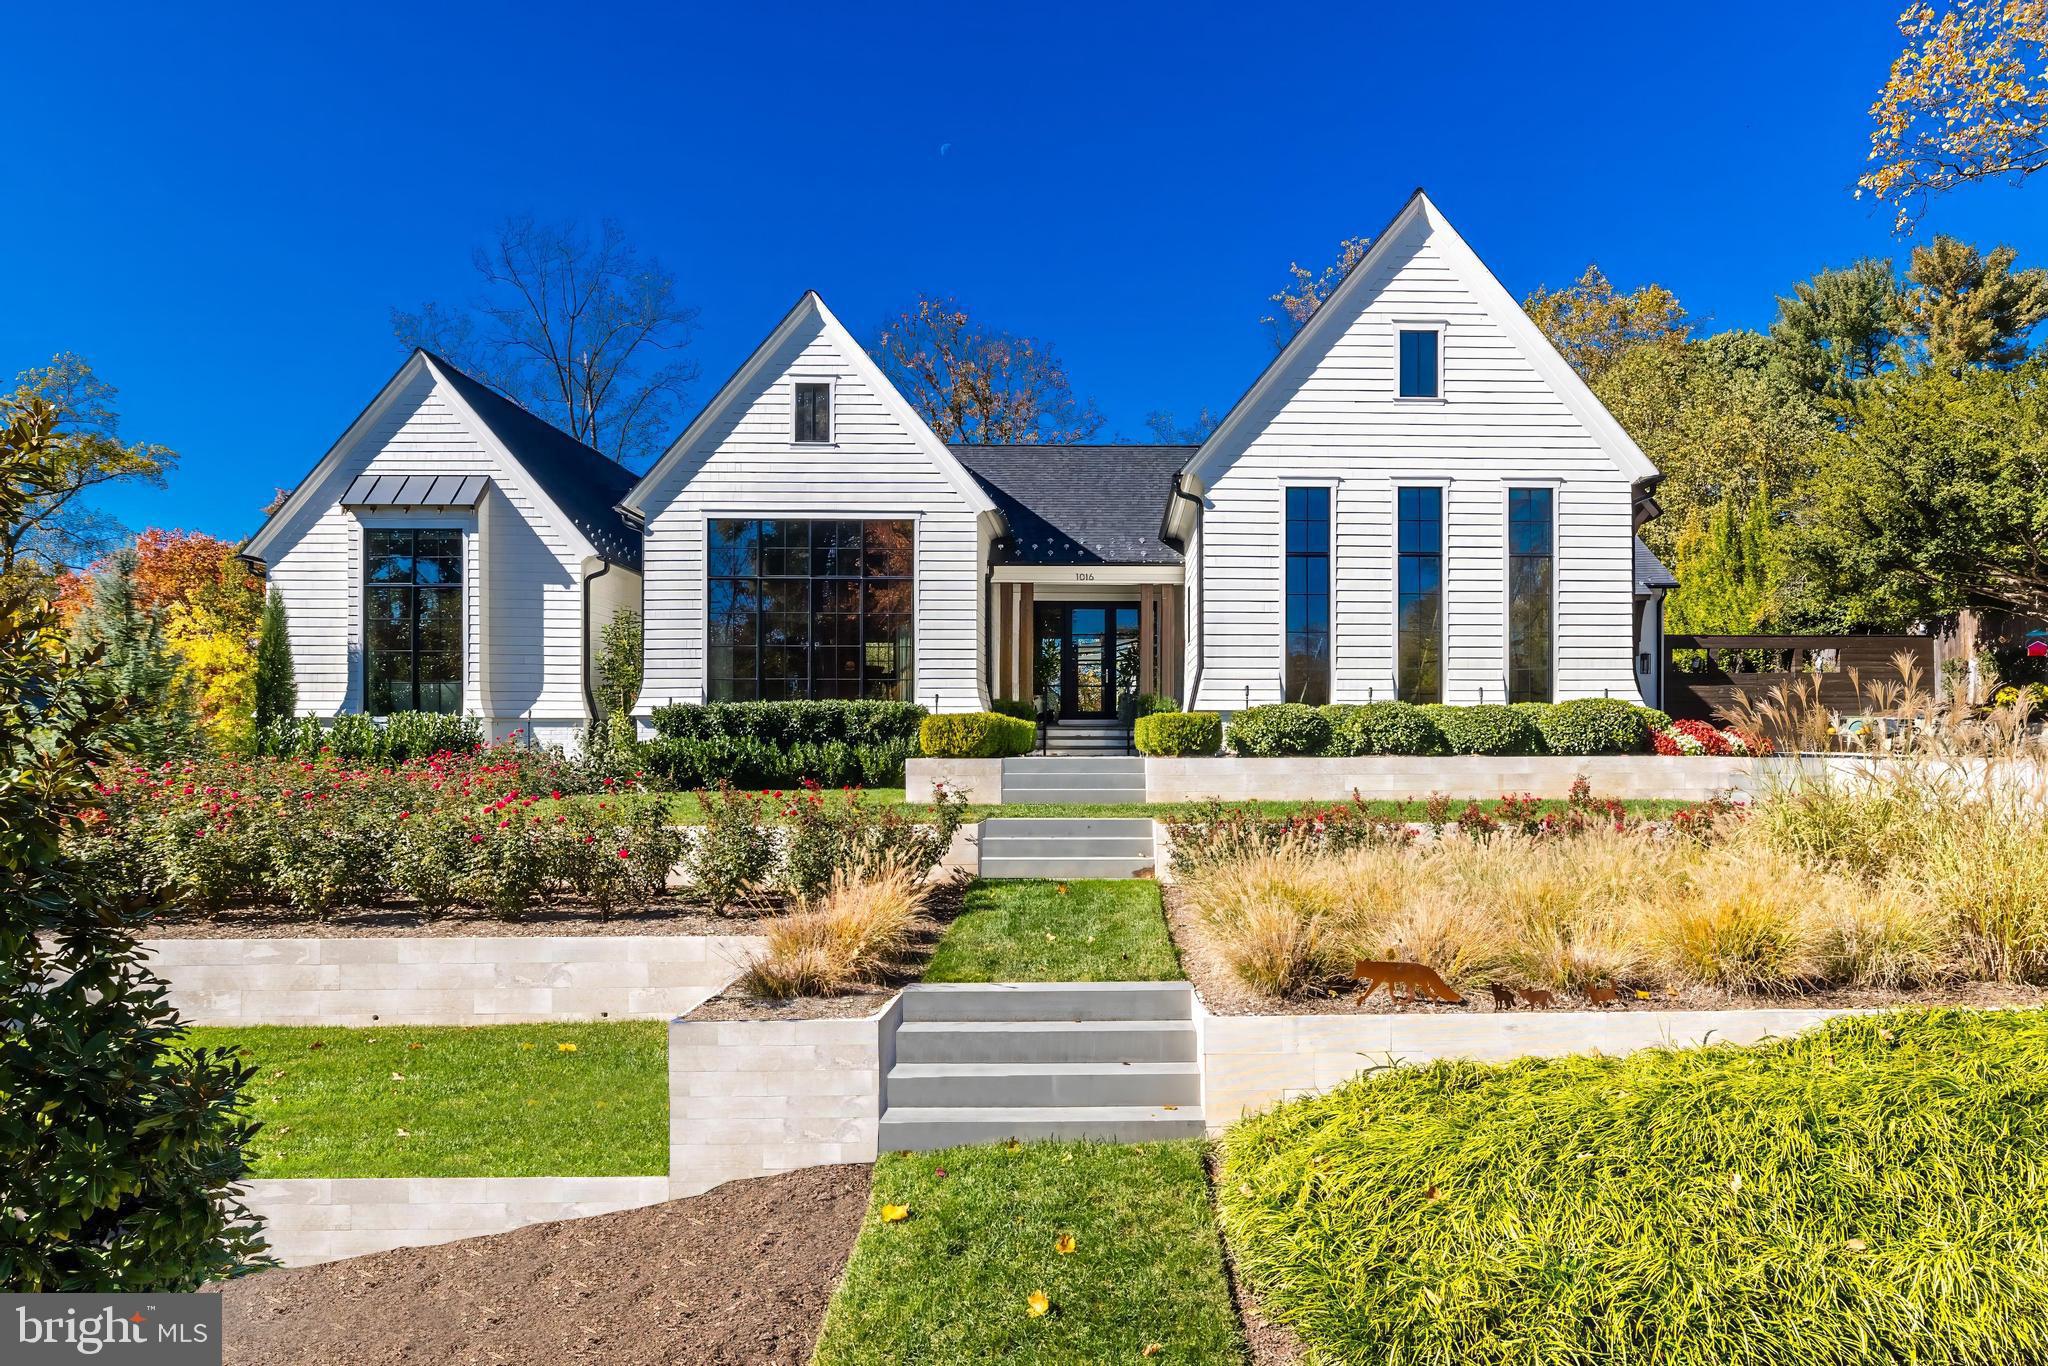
{"x":976,"y":735}
{"x":1595,"y":725}
{"x":1486,"y":729}
{"x":1179,"y":733}
{"x":1382,"y":728}
{"x":1280,"y":728}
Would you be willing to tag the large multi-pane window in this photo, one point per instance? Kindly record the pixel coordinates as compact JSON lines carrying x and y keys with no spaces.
{"x":1419,"y":624}
{"x":809,"y":609}
{"x":412,"y":614}
{"x":1307,"y":676}
{"x":1531,"y":568}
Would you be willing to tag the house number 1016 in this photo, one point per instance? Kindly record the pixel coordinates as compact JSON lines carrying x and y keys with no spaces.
{"x":1080,"y":577}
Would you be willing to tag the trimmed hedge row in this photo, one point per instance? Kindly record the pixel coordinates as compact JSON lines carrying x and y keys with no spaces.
{"x":1177,"y":734}
{"x":790,"y":723}
{"x":780,"y":744}
{"x":393,"y":739}
{"x":1590,"y":725}
{"x":976,"y":735}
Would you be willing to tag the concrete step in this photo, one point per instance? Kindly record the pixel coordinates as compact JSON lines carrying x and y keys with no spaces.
{"x":1107,"y":869}
{"x":1059,"y":1084}
{"x":990,"y":1002}
{"x":1067,"y":827}
{"x":1066,"y":846}
{"x":1055,"y":763}
{"x":1076,"y":796}
{"x":957,"y":1041}
{"x":921,"y":1129}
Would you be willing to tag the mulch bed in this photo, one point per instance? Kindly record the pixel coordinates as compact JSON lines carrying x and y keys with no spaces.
{"x":281,"y":922}
{"x":739,"y":1274}
{"x":1223,"y":994}
{"x":947,"y":901}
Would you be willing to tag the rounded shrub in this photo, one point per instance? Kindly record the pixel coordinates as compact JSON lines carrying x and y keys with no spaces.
{"x":1280,"y":728}
{"x":1486,"y":729}
{"x":1534,"y":712}
{"x":1177,"y":733}
{"x":1347,"y":729}
{"x":975,"y":735}
{"x":1383,"y":728}
{"x":1021,"y":708}
{"x":1596,"y":725}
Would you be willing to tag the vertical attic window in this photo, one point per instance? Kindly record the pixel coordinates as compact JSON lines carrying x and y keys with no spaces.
{"x":412,"y":615}
{"x":813,"y":414}
{"x":1419,"y":363}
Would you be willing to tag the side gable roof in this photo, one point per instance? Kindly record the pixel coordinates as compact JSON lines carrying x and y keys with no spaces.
{"x":573,"y":484}
{"x":807,"y":308}
{"x":1079,"y":504}
{"x":1491,"y":294}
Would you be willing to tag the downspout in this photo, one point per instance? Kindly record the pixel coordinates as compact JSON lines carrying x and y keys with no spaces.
{"x":590,"y":688}
{"x":1194,"y":683}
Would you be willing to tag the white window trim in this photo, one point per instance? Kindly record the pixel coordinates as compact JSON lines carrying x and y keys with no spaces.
{"x":356,"y":694}
{"x":1396,"y":484}
{"x":1436,"y":325}
{"x":1507,"y":601}
{"x":1336,"y":487}
{"x":831,"y":383}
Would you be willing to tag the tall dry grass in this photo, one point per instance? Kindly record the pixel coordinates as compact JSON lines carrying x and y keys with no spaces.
{"x":860,"y":928}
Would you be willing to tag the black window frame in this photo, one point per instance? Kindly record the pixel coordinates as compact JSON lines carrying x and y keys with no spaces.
{"x":411,"y":587}
{"x":818,"y":409}
{"x":1308,"y":514}
{"x":1524,"y":564}
{"x":1419,"y":554}
{"x":788,"y":613}
{"x":1435,"y":370}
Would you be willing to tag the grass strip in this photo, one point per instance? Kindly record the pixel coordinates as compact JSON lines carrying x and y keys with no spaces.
{"x":1870,"y":1191}
{"x":953,"y":1280}
{"x":492,"y":1100}
{"x":1040,"y":930}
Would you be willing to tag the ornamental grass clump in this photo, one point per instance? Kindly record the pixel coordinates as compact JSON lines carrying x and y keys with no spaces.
{"x":1866,"y":1192}
{"x":855,"y":933}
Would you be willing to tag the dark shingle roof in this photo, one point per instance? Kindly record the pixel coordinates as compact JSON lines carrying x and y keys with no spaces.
{"x":582,"y":483}
{"x":1080,"y":504}
{"x":1650,"y":571}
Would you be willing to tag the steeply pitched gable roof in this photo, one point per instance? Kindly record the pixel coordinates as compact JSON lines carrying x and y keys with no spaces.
{"x":583,"y":483}
{"x":1079,"y":504}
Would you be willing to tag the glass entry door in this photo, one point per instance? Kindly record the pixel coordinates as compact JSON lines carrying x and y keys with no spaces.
{"x":1087,"y":658}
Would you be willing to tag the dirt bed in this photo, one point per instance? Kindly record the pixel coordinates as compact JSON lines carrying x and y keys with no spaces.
{"x":272,"y":922}
{"x":740,"y":1274}
{"x":1224,"y":994}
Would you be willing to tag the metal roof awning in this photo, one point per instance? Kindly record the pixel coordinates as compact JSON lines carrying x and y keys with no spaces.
{"x":416,"y":490}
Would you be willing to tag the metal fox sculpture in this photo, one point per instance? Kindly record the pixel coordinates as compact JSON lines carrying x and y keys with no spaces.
{"x":1503,"y":997}
{"x":1403,"y":981}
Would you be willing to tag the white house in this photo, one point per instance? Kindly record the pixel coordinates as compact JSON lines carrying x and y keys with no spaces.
{"x":1419,"y":498}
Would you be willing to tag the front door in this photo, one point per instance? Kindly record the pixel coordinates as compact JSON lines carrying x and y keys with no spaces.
{"x":1087,"y":657}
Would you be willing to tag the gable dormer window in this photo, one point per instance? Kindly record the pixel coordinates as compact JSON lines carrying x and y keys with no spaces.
{"x":1420,"y":362}
{"x":813,"y":413}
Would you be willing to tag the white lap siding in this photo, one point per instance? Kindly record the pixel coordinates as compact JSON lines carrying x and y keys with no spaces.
{"x":521,"y":594}
{"x":1333,"y":418}
{"x":745,"y":464}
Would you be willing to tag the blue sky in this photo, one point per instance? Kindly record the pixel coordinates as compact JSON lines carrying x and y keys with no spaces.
{"x":220,"y":208}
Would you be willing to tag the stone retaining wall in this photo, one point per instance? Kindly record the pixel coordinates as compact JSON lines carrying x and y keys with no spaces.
{"x":1251,"y":1062}
{"x":457,"y":980}
{"x":317,"y":1221}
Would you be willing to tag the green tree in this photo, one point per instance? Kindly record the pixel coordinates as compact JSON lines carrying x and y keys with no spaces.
{"x":1728,"y":569}
{"x":276,"y":683}
{"x":161,"y":720}
{"x":619,"y":664}
{"x":1593,"y":326}
{"x":1843,"y":326}
{"x":1973,"y":309}
{"x":120,"y":1147}
{"x":1933,"y":497}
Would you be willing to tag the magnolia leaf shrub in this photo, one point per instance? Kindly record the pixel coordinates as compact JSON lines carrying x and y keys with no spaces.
{"x":1179,"y":733}
{"x":1595,"y":725}
{"x":975,"y":735}
{"x":1486,"y":729}
{"x":1279,"y":729}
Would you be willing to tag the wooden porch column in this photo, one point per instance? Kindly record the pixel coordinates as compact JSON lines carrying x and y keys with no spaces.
{"x":1169,"y":642}
{"x":1019,"y":672}
{"x":1148,"y":618}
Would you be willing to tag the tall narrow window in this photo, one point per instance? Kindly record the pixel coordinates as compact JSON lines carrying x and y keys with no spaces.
{"x":814,"y":413}
{"x":1418,"y":362}
{"x":1419,"y":625}
{"x":1531,"y":562}
{"x":1307,"y":673}
{"x":799,"y":609}
{"x":412,"y":614}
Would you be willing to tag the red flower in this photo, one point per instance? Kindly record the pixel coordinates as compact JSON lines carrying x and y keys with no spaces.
{"x":405,"y":815}
{"x":623,"y":853}
{"x":476,"y":839}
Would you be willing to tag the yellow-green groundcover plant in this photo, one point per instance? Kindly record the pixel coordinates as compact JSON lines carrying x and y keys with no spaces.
{"x":1875,"y":1190}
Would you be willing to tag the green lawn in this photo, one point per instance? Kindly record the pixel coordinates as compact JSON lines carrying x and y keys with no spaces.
{"x":496,"y":1100}
{"x":687,"y":810}
{"x":953,"y":1281}
{"x":1028,"y":930}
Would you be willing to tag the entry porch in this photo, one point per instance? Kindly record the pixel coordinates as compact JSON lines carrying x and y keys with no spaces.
{"x":1079,"y":641}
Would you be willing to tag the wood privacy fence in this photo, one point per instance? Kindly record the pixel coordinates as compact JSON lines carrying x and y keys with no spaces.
{"x":1705,"y":673}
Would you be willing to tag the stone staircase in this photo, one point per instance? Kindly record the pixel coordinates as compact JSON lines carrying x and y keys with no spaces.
{"x":981,"y":1063}
{"x":1088,"y":737}
{"x":1066,"y":847}
{"x":1074,"y":778}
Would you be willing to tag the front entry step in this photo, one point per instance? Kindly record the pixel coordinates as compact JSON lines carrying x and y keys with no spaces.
{"x":985,"y":1062}
{"x":1073,"y":848}
{"x":1090,"y":781}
